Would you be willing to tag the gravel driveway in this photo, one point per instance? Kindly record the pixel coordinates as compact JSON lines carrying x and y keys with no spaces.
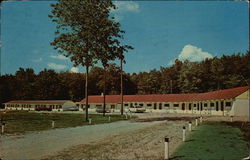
{"x":39,"y":144}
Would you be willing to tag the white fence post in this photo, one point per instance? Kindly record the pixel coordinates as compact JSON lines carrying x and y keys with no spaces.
{"x":3,"y":125}
{"x":166,"y":157}
{"x":200,"y":119}
{"x":126,"y":115}
{"x":190,"y":126}
{"x":196,"y":122}
{"x":109,"y":119}
{"x":231,"y":118}
{"x":90,"y":120}
{"x":184,"y":134}
{"x":53,"y":124}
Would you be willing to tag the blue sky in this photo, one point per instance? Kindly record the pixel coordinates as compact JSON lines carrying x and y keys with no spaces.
{"x":160,"y":32}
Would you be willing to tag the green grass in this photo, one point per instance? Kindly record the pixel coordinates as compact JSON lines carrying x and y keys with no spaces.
{"x":21,"y":122}
{"x":213,"y":141}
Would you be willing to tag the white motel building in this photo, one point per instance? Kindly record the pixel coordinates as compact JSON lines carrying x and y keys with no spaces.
{"x":225,"y":102}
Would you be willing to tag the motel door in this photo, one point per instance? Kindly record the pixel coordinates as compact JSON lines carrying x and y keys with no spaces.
{"x":222,"y":106}
{"x":155,"y":105}
{"x":217,"y":106}
{"x":183,"y":106}
{"x":160,"y":106}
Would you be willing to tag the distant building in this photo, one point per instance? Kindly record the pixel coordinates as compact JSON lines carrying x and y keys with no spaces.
{"x":225,"y":102}
{"x":38,"y":105}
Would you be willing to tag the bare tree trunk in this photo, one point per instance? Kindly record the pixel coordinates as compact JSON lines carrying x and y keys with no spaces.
{"x":121,"y":89}
{"x":86,"y":94}
{"x":104,"y":92}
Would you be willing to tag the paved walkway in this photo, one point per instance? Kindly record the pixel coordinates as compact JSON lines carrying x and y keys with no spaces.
{"x":39,"y":144}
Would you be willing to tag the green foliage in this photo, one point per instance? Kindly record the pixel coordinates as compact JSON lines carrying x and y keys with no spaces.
{"x":195,"y":77}
{"x":186,"y":77}
{"x":213,"y":141}
{"x":86,"y":33}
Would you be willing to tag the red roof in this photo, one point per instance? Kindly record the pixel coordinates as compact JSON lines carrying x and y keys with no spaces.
{"x":221,"y":94}
{"x":58,"y":102}
{"x":214,"y":95}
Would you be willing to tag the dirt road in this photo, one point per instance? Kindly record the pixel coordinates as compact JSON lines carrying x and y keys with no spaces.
{"x":40,"y":144}
{"x":143,"y":144}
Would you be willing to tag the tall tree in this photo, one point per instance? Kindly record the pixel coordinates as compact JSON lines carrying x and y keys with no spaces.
{"x":49,"y":86}
{"x":85,"y":33}
{"x":25,"y":79}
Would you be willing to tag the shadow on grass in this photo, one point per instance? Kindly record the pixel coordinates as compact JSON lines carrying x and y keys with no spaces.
{"x":176,"y":157}
{"x":190,"y":140}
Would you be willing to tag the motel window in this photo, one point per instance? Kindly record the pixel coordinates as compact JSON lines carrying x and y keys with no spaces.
{"x":166,"y":105}
{"x":149,"y":104}
{"x":126,"y":104}
{"x":112,"y":106}
{"x":131,"y":104}
{"x":60,"y":106}
{"x":228,"y":104}
{"x":176,"y":105}
{"x":212,"y":104}
{"x":194,"y":105}
{"x":205,"y":104}
{"x":135,"y":103}
{"x":141,"y":104}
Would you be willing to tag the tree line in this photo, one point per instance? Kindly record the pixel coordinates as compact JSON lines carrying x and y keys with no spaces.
{"x":182,"y":77}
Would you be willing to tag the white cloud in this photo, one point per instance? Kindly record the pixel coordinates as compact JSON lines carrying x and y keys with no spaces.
{"x":126,"y":6}
{"x":170,"y":63}
{"x":74,"y":70}
{"x":193,"y":53}
{"x":61,"y":57}
{"x":38,"y":60}
{"x":56,"y":66}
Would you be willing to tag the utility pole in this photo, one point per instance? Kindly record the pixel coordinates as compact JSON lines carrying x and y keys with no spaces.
{"x":171,"y":87}
{"x":104,"y":92}
{"x":0,"y":39}
{"x":121,"y":88}
{"x":86,"y":94}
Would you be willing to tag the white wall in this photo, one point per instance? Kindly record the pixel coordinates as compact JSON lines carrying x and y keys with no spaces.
{"x":240,"y":107}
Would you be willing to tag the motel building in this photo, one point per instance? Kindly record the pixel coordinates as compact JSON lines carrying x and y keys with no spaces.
{"x":41,"y":105}
{"x":227,"y":102}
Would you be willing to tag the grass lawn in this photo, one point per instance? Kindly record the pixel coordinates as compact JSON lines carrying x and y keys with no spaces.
{"x":20,"y":122}
{"x":215,"y":141}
